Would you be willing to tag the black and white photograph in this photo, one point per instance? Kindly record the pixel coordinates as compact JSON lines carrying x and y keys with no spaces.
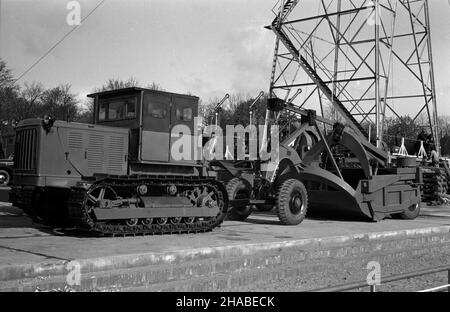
{"x":224,"y":154}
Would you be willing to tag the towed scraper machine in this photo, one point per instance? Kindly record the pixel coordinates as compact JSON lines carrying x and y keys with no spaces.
{"x":317,"y":170}
{"x":339,"y":173}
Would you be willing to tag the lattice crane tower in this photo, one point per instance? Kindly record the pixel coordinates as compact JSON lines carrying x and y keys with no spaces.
{"x":361,"y":59}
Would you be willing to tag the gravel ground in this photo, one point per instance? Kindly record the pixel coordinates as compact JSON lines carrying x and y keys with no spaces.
{"x":332,"y":272}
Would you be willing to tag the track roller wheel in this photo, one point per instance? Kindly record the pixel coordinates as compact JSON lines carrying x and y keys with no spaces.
{"x":238,"y":189}
{"x":409,"y":214}
{"x":147,"y":221}
{"x":161,"y":221}
{"x":292,"y":202}
{"x":176,"y":220}
{"x":132,"y":222}
{"x":189,"y":220}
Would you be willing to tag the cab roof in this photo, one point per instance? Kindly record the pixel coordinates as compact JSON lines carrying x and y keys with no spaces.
{"x":134,"y":89}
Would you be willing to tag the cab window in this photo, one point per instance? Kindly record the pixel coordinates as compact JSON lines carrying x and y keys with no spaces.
{"x":117,"y":109}
{"x":157,"y":109}
{"x":102,"y":111}
{"x":130,"y":108}
{"x":184,"y":113}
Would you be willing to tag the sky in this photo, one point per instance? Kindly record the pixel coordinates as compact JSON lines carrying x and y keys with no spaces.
{"x":205,"y":47}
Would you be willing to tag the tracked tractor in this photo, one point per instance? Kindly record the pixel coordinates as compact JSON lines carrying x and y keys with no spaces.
{"x":118,"y":176}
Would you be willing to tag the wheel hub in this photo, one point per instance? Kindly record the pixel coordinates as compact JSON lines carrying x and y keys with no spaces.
{"x":296,"y":205}
{"x":100,"y":197}
{"x":4,"y":178}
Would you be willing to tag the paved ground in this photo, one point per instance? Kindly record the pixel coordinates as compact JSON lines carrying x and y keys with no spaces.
{"x":23,"y":242}
{"x":317,"y":253}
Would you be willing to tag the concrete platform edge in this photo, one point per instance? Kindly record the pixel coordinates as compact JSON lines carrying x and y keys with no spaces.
{"x":55,"y":268}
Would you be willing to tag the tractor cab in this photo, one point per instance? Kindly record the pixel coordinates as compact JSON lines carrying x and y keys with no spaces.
{"x":150,"y":115}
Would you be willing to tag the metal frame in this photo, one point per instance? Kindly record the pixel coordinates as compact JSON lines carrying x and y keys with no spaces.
{"x":365,"y":51}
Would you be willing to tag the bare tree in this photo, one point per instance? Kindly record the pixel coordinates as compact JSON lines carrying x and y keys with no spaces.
{"x":60,"y":102}
{"x":444,"y":125}
{"x":30,"y":103}
{"x":6,"y":77}
{"x":8,"y":92}
{"x":154,"y":86}
{"x":236,"y":112}
{"x":115,"y":84}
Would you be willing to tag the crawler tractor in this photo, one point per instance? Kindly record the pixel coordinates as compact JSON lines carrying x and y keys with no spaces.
{"x":117,"y":176}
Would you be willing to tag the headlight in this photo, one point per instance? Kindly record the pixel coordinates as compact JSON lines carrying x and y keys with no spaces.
{"x":47,"y":122}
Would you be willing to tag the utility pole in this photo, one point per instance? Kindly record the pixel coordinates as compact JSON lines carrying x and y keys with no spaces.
{"x":375,"y":61}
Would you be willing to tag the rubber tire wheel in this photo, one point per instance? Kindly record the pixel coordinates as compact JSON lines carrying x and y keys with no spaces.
{"x":7,"y":176}
{"x":287,"y":193}
{"x":222,"y":214}
{"x":411,"y":213}
{"x":238,"y":189}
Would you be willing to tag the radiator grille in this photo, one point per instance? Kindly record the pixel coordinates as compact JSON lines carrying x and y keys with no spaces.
{"x":115,"y":153}
{"x":25,"y":150}
{"x":75,"y":140}
{"x":95,"y":152}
